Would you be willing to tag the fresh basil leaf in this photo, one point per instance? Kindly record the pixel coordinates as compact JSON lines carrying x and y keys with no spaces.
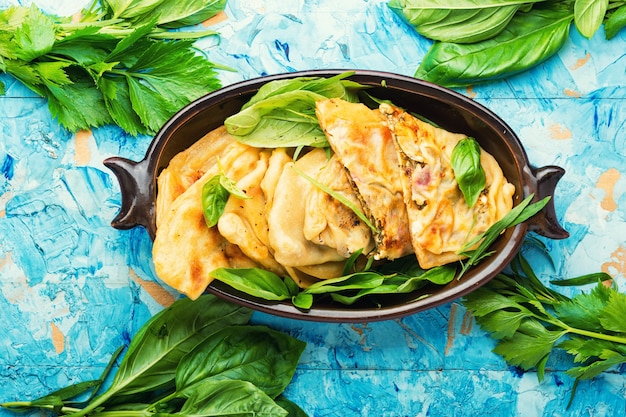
{"x":284,"y":120}
{"x":615,"y":22}
{"x":588,"y":15}
{"x":282,"y":112}
{"x":257,"y":354}
{"x":229,"y":398}
{"x":356,"y":281}
{"x":332,"y":87}
{"x":528,"y":40}
{"x":366,"y":292}
{"x":214,"y":199}
{"x":439,"y":275}
{"x":254,"y":281}
{"x":302,"y":300}
{"x":462,"y":21}
{"x":292,"y":408}
{"x":468,"y":171}
{"x":154,"y":352}
{"x":520,"y":213}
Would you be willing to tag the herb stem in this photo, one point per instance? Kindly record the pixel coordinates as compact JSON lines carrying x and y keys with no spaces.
{"x":68,"y":27}
{"x":596,"y":335}
{"x":581,"y":332}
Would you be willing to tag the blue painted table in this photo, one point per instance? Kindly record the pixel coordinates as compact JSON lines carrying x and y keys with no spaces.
{"x":73,"y":289}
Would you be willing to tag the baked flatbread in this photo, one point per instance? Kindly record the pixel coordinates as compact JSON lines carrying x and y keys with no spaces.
{"x":440,"y":220}
{"x":299,"y":240}
{"x":362,"y":141}
{"x":243,"y":222}
{"x":185,"y":251}
{"x":188,"y":166}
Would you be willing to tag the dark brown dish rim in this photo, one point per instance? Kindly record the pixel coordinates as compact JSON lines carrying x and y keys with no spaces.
{"x":445,"y":107}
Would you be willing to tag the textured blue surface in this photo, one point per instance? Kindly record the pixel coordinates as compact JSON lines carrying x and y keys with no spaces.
{"x":73,"y":289}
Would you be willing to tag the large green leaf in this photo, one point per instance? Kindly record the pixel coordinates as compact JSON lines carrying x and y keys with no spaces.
{"x":464,"y":21}
{"x":528,"y":40}
{"x":588,"y":15}
{"x":229,"y":398}
{"x":257,"y":354}
{"x":615,"y":21}
{"x":155,"y":351}
{"x":36,"y":34}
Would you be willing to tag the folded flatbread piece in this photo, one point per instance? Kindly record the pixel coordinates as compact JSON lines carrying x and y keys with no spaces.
{"x":185,"y":251}
{"x":188,"y":166}
{"x":363,"y":142}
{"x":440,"y":221}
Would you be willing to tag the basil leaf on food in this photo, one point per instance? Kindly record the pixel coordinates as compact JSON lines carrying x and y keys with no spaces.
{"x":282,"y":112}
{"x":214,"y":199}
{"x":468,"y":171}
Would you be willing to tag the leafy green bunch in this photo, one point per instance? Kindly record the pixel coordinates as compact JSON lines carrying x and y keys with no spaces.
{"x":196,"y":358}
{"x":121,"y":62}
{"x":482,"y":40}
{"x":529,"y":320}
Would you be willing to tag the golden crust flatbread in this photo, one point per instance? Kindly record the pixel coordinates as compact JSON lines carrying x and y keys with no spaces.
{"x":186,"y":167}
{"x":362,"y":140}
{"x":440,"y":220}
{"x":185,"y":251}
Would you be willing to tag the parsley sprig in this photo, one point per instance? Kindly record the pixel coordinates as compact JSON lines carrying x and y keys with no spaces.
{"x":119,"y":63}
{"x":530,"y":321}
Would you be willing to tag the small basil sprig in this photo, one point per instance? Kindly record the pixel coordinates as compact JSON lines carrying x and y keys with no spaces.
{"x":215,"y":194}
{"x":520,"y":213}
{"x":468,"y":171}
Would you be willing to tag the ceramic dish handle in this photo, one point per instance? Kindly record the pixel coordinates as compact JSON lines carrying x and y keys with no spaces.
{"x":137,"y":194}
{"x":544,"y":181}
